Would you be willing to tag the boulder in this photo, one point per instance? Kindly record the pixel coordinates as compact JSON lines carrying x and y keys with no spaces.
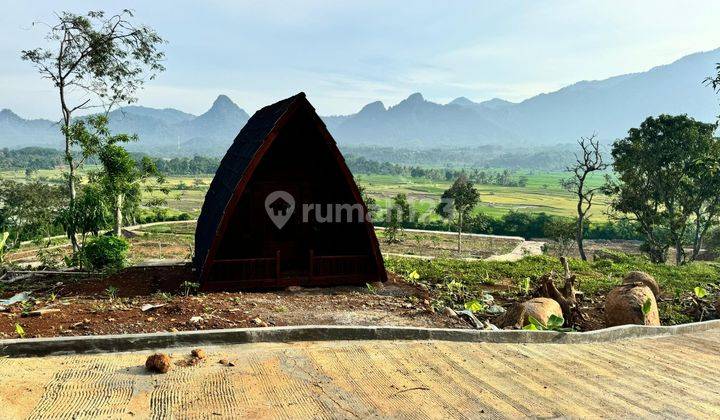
{"x":512,"y":318}
{"x":644,"y":278}
{"x":624,"y":303}
{"x":519,"y":314}
{"x":541,"y":308}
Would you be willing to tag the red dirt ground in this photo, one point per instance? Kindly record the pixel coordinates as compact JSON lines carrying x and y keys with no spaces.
{"x":85,"y":308}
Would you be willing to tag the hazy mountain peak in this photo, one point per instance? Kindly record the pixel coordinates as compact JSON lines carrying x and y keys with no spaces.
{"x":222,"y":102}
{"x":7,"y":115}
{"x":496,"y":103}
{"x":462,"y":101}
{"x":373,"y":108}
{"x":415,"y":98}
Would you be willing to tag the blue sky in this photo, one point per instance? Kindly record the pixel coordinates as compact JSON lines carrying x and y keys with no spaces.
{"x":346,"y":54}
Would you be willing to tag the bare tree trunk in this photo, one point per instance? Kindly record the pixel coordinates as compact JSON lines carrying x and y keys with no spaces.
{"x":579,"y":233}
{"x":67,"y":118}
{"x":679,"y":252}
{"x":460,"y":223}
{"x":118,"y":214}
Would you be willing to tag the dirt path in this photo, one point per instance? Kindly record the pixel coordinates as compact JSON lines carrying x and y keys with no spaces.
{"x":523,"y":250}
{"x":655,"y":377}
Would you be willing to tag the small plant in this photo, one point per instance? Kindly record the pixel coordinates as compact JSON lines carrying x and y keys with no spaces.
{"x":647,"y":306}
{"x":524,"y":286}
{"x":372,"y":289}
{"x":414,"y":275}
{"x":27,"y":306}
{"x":52,"y":297}
{"x":3,"y":241}
{"x":455,"y":286}
{"x":106,"y":253}
{"x":700,"y":292}
{"x":189,"y":287}
{"x":50,"y":258}
{"x":474,"y":306}
{"x":555,"y":323}
{"x":19,"y":330}
{"x":167,"y":297}
{"x":111,"y":292}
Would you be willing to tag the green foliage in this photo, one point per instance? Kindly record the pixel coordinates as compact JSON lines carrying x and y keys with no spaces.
{"x":562,"y":231}
{"x":120,"y":179}
{"x":93,"y":61}
{"x":459,"y":281}
{"x":111,"y":292}
{"x":647,"y":306}
{"x":555,"y":323}
{"x":189,"y":287}
{"x":524,"y":286}
{"x":699,"y":292}
{"x":372,"y":289}
{"x":398,"y":214}
{"x":474,"y":306}
{"x":457,"y":202}
{"x":668,"y":172}
{"x":29,"y":210}
{"x":3,"y":240}
{"x":106,"y":253}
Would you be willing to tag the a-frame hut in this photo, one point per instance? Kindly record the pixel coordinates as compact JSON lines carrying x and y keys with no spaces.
{"x":283,"y":209}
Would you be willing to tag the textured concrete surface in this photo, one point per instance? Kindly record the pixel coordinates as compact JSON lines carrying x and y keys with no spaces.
{"x":672,"y":376}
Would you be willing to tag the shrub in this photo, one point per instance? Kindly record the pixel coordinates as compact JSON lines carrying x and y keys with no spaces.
{"x":106,"y":253}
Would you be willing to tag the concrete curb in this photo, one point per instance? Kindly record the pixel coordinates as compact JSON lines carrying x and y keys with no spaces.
{"x":34,"y":347}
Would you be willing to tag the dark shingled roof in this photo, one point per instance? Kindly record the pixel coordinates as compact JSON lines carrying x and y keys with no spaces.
{"x":231,"y":170}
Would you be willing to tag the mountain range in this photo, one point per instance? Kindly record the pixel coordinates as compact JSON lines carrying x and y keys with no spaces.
{"x":607,"y":107}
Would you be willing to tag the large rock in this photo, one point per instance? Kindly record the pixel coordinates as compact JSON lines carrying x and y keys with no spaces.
{"x":624,"y":306}
{"x":644,"y":278}
{"x":519,"y":314}
{"x":541,"y":308}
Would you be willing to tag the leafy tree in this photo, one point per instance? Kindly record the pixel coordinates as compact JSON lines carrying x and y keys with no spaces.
{"x":563,"y":232}
{"x":92,"y":213}
{"x":457,"y":202}
{"x":121,"y":175}
{"x":369,"y":201}
{"x":588,"y":161}
{"x":93,"y":61}
{"x":668,"y":178}
{"x":398,"y":213}
{"x":28,"y":210}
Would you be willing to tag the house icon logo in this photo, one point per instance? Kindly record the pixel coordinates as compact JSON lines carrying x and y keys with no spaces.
{"x":279,"y":206}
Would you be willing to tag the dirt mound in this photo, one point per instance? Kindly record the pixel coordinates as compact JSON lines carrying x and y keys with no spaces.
{"x":158,"y":363}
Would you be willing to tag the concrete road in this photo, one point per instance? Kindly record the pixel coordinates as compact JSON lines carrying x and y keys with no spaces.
{"x":667,"y":377}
